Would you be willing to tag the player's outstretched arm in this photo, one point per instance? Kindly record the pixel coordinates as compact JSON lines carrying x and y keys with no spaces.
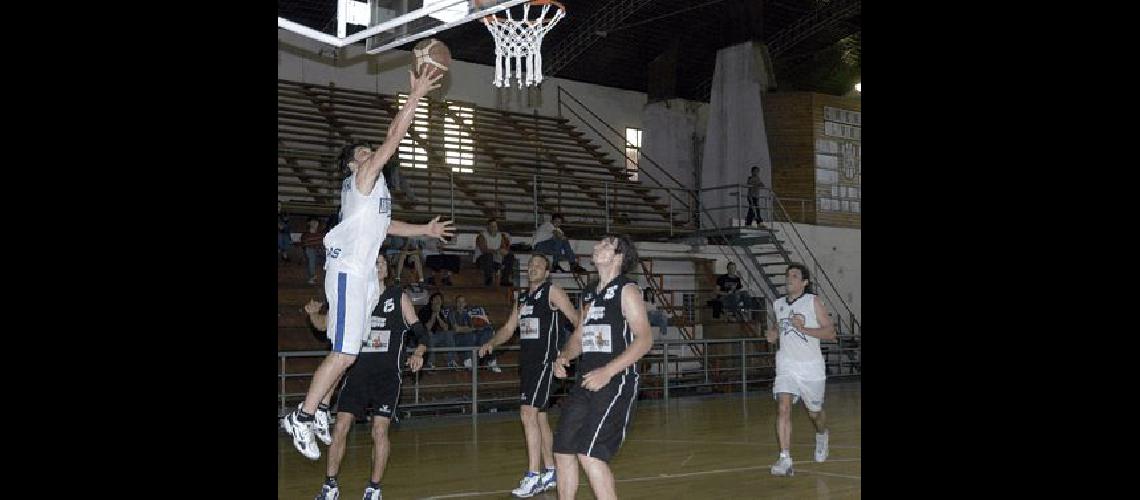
{"x":427,"y":81}
{"x":435,"y":229}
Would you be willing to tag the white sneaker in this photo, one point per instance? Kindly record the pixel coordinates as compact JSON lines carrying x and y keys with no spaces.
{"x":530,"y":485}
{"x":783,"y":467}
{"x":328,"y":493}
{"x":467,"y":363}
{"x":821,"y":446}
{"x":549,"y":480}
{"x":373,"y":494}
{"x":321,"y":426}
{"x":494,"y":366}
{"x":302,"y":434}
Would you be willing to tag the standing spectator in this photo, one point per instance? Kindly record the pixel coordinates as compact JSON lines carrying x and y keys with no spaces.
{"x":754,"y":187}
{"x":313,"y":243}
{"x":495,"y":254}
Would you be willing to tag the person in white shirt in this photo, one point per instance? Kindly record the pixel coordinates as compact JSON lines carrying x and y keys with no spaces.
{"x":495,"y":254}
{"x":801,"y":374}
{"x":351,"y":249}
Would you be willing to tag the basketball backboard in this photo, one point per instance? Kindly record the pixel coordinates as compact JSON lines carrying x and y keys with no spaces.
{"x":380,"y":24}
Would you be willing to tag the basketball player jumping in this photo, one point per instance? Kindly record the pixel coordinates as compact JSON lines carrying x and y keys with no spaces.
{"x":800,"y":371}
{"x":372,"y":385}
{"x":351,"y":249}
{"x":537,"y":315}
{"x":613,"y":335}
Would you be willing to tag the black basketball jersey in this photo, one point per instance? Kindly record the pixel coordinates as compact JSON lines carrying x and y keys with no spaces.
{"x":605,"y":333}
{"x":538,"y":326}
{"x":384,"y":342}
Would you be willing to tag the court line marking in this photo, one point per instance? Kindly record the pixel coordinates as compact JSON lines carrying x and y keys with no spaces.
{"x":690,"y":457}
{"x":462,"y":443}
{"x":738,"y":443}
{"x":666,"y":476}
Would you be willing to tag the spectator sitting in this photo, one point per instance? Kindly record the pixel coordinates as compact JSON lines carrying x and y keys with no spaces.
{"x":550,"y":240}
{"x":730,"y":294}
{"x":413,"y":246}
{"x":495,"y":254}
{"x":472,"y":329}
{"x":313,"y":243}
{"x":437,"y":261}
{"x":434,"y":318}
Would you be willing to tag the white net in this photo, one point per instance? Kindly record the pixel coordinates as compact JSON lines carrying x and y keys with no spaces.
{"x":518,"y":42}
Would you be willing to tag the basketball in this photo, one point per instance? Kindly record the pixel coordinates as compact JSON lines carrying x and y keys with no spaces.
{"x":479,"y":321}
{"x":433,"y":52}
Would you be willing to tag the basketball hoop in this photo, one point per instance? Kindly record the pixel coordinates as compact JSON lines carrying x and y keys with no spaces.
{"x":521,"y":40}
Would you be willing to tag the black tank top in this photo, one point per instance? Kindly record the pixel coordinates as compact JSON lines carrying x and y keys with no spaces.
{"x":384,"y":342}
{"x":538,"y":326}
{"x":605,"y":333}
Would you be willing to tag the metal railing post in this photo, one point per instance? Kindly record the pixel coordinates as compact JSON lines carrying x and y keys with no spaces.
{"x":665,"y":369}
{"x":706,"y":362}
{"x":282,"y":384}
{"x":606,"y":187}
{"x":670,"y":216}
{"x":738,"y":203}
{"x":534,"y":189}
{"x":743,"y":370}
{"x":474,"y":387}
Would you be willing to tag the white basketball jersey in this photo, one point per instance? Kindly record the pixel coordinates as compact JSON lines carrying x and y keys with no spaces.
{"x":794,"y":344}
{"x":353,"y":244}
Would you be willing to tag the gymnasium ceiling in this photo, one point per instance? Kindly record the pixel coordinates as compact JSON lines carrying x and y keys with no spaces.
{"x":815,"y":44}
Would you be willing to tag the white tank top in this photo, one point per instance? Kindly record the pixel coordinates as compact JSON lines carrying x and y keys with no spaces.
{"x":353,"y":244}
{"x":795,"y":345}
{"x":493,"y":244}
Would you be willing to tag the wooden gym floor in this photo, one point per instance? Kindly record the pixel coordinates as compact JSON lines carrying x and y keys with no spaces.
{"x":697,"y":447}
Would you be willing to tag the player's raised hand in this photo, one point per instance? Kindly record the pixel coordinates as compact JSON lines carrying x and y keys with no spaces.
{"x":427,"y":80}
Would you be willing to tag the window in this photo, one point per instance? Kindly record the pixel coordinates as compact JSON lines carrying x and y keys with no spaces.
{"x":411,"y":155}
{"x":458,"y":144}
{"x":632,"y":151}
{"x":688,"y":303}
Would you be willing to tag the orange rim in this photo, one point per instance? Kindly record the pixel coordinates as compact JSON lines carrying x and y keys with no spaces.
{"x":492,"y":18}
